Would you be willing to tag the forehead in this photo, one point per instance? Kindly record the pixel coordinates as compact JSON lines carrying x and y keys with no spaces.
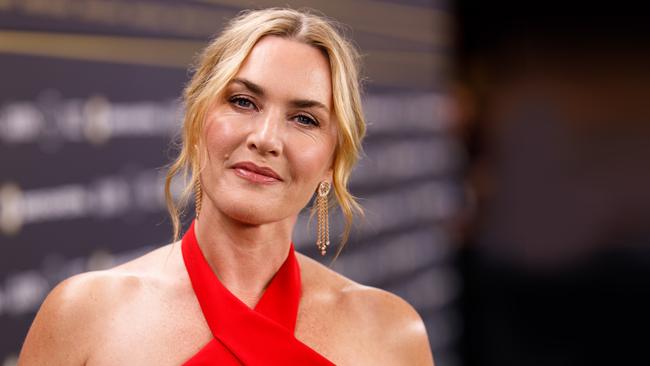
{"x":290,"y":69}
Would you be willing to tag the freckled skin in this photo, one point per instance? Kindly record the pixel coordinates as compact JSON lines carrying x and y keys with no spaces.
{"x":145,"y":312}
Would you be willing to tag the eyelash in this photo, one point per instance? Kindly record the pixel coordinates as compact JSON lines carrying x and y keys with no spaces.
{"x":307,"y":120}
{"x":236,"y":99}
{"x":310,"y":121}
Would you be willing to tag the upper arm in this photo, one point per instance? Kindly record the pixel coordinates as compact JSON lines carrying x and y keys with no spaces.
{"x":411,"y":342}
{"x":63,"y":328}
{"x":399,"y":334}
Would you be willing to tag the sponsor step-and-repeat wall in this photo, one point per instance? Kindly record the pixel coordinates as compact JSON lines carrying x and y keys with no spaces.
{"x":90,"y":103}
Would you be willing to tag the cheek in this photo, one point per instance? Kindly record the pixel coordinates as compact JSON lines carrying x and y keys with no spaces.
{"x":221,"y":137}
{"x":311,"y":160}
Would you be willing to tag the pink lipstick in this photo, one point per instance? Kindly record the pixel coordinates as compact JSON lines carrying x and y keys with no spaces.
{"x":256,"y":174}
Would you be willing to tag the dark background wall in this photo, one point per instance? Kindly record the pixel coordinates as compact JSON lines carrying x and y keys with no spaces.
{"x":88,"y":107}
{"x":556,"y":256}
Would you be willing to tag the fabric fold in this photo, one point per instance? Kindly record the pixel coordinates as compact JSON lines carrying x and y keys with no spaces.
{"x":244,"y":336}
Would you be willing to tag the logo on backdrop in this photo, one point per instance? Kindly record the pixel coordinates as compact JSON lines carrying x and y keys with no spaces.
{"x":51,"y":120}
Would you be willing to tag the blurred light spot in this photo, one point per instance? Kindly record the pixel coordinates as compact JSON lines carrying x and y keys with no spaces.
{"x":24,"y":292}
{"x":11,"y":209}
{"x":11,"y":360}
{"x":20,"y":122}
{"x":100,"y":260}
{"x":97,"y":116}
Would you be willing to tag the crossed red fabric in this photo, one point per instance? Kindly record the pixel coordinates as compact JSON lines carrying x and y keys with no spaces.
{"x":245,"y":336}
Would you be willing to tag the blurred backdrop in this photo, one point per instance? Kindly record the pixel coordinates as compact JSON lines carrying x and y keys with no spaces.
{"x":89,"y":103}
{"x":553,"y":99}
{"x":505,"y":177}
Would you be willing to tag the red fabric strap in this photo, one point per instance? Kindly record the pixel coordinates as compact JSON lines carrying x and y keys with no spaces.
{"x":245,"y":336}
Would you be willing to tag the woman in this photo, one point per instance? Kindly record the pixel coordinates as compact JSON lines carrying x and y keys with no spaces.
{"x":273,"y":116}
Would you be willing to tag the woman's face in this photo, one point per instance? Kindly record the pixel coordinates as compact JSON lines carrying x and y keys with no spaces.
{"x":270,"y":138}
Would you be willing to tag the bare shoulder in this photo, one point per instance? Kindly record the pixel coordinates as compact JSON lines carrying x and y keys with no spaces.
{"x":392,"y":329}
{"x":68,"y":323}
{"x":65,"y":326}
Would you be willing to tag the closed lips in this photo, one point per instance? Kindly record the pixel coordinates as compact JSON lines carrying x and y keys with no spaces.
{"x":245,"y":167}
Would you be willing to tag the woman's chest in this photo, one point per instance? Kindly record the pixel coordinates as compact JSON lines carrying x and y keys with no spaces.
{"x":151,"y":330}
{"x":336,"y":334}
{"x":169,"y":331}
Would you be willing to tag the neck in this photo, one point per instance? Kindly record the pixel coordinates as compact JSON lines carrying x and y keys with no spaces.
{"x":244,"y":257}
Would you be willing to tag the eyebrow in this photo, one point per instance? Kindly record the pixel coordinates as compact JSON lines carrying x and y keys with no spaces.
{"x":297,"y":103}
{"x":256,"y":89}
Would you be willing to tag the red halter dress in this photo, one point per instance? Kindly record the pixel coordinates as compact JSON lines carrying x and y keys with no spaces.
{"x":245,"y":336}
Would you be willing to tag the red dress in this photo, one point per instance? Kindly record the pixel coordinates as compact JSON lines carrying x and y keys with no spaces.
{"x":245,"y":336}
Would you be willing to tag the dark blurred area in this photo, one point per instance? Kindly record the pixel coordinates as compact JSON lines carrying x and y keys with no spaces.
{"x":553,"y":108}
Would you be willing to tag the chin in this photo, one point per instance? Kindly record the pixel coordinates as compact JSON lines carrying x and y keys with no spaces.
{"x":249,"y":211}
{"x":247,"y":216}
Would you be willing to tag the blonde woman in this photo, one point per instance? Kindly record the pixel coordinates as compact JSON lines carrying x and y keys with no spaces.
{"x":273,"y":117}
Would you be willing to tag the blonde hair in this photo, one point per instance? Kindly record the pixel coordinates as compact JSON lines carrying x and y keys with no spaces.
{"x":219,"y":63}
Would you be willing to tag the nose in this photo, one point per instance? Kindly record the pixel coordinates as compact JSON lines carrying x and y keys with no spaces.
{"x":265,"y":137}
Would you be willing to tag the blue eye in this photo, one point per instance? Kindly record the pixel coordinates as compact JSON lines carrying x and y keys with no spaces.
{"x":306,"y":120}
{"x":242,"y":102}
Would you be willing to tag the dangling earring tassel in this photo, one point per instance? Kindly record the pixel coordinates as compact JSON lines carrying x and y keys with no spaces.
{"x":198,"y":196}
{"x":323,"y":240}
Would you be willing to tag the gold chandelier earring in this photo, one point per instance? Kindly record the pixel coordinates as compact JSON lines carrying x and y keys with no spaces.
{"x":323,"y":240}
{"x":198,"y":196}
